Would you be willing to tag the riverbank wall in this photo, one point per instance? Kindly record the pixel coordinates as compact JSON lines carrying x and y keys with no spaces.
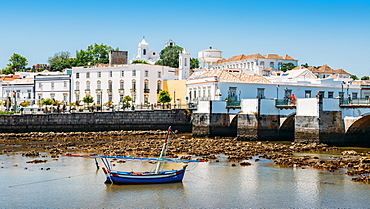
{"x":179,"y":119}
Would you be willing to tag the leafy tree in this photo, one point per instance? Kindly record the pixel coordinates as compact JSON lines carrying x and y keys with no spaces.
{"x":25,"y":103}
{"x":88,"y":100}
{"x":365,"y":77}
{"x":354,"y":77}
{"x":305,"y":65}
{"x":7,"y":71}
{"x":60,"y":61}
{"x":140,"y":61}
{"x":109,"y":104}
{"x":170,"y":56}
{"x":126,"y":101}
{"x":194,"y":63}
{"x":164,"y":97}
{"x":287,"y":66}
{"x":17,"y":62}
{"x":94,"y":54}
{"x":47,"y":102}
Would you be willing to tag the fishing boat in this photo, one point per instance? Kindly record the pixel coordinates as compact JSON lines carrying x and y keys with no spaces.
{"x":149,"y":177}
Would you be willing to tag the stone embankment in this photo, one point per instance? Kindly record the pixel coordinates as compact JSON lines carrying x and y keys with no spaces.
{"x":149,"y":143}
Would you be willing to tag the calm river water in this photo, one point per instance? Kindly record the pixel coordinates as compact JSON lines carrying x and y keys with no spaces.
{"x":75,"y":183}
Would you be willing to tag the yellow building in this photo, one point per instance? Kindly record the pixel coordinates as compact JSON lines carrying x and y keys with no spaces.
{"x":177,"y":91}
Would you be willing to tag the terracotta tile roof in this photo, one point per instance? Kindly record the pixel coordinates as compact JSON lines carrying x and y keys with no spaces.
{"x":340,"y":71}
{"x":327,"y":69}
{"x":360,"y":82}
{"x":273,"y":56}
{"x":225,"y":76}
{"x":252,"y":78}
{"x":253,"y":56}
{"x":299,"y":68}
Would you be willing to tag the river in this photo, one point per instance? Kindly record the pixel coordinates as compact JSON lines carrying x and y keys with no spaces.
{"x":68,"y":182}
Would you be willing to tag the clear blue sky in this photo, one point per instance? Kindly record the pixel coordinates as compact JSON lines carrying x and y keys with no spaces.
{"x":317,"y":32}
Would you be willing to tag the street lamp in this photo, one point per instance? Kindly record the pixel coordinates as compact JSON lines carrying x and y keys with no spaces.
{"x":174,"y":98}
{"x":341,"y":98}
{"x":347,"y":89}
{"x":277,"y":92}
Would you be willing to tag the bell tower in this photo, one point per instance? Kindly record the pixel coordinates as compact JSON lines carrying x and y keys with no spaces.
{"x":184,"y":65}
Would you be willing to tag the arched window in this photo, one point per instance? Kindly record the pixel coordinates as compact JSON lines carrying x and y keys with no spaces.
{"x":248,"y":65}
{"x":87,"y":85}
{"x":262,"y":63}
{"x":185,"y":64}
{"x":144,"y":51}
{"x":272,"y":64}
{"x":121,"y":84}
{"x":110,"y":84}
{"x":146,"y":84}
{"x":159,"y":86}
{"x":98,"y":85}
{"x":77,"y":85}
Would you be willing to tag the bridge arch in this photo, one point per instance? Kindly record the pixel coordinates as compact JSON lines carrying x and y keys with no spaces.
{"x":358,"y":134}
{"x":286,"y":129}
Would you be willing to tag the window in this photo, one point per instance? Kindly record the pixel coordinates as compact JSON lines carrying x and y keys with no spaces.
{"x":146,"y":73}
{"x":40,"y":85}
{"x":29,"y":95}
{"x":77,"y":97}
{"x":144,"y":51}
{"x":146,"y":85}
{"x":279,"y":65}
{"x":110,"y":97}
{"x":272,"y":64}
{"x":110,"y":74}
{"x":98,"y":85}
{"x":186,"y":60}
{"x":159,"y":86}
{"x":307,"y":93}
{"x":159,"y":74}
{"x":77,"y":85}
{"x":120,"y":97}
{"x":77,"y":75}
{"x":110,"y":85}
{"x":262,"y":63}
{"x":330,"y":94}
{"x":18,"y":94}
{"x":52,"y":96}
{"x":52,"y":85}
{"x":133,"y":84}
{"x":87,"y":85}
{"x":98,"y":99}
{"x":122,"y":73}
{"x":65,"y":98}
{"x":87,"y":75}
{"x":99,"y":74}
{"x":121,"y":84}
{"x":133,"y":72}
{"x":65,"y":84}
{"x":354,"y":95}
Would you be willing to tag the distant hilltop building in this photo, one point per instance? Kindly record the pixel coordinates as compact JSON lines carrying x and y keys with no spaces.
{"x":256,"y":63}
{"x":144,"y":54}
{"x":169,"y":43}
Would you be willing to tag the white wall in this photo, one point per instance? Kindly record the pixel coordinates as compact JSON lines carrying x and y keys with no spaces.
{"x":307,"y":107}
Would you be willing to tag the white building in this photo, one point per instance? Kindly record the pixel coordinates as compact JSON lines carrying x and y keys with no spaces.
{"x":56,"y":87}
{"x":140,"y":81}
{"x":255,"y":63}
{"x":144,"y":54}
{"x":221,"y":85}
{"x":18,"y":91}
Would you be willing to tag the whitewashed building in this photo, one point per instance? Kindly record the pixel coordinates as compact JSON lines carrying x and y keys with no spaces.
{"x":255,"y":63}
{"x":56,"y":87}
{"x":144,"y":54}
{"x":142,"y":82}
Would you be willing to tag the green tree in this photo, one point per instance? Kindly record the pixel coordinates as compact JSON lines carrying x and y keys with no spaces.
{"x":126,"y":101}
{"x":305,"y":65}
{"x":194,"y":63}
{"x":17,"y":62}
{"x":47,"y":102}
{"x":94,"y":54}
{"x":164,"y":97}
{"x":7,"y":71}
{"x":354,"y":77}
{"x":287,"y":66}
{"x":88,"y":100}
{"x":170,"y":56}
{"x":25,"y":103}
{"x":139,"y":61}
{"x":60,"y":61}
{"x":365,"y":77}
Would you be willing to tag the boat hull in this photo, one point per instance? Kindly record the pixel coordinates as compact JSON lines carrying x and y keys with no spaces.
{"x":118,"y":177}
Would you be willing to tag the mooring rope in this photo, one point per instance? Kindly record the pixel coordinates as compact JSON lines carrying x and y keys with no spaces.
{"x":36,"y":182}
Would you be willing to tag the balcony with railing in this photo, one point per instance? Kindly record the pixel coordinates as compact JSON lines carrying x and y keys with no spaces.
{"x":121,"y":91}
{"x":133,"y":91}
{"x":233,"y":104}
{"x":87,"y":91}
{"x":77,"y":91}
{"x":109,"y":91}
{"x":98,"y":91}
{"x":355,"y":102}
{"x":147,"y":91}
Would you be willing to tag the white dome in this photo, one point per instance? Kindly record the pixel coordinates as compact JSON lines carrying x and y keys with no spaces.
{"x":209,"y":55}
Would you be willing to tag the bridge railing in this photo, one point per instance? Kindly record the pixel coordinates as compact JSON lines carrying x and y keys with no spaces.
{"x":358,"y":101}
{"x":285,"y":102}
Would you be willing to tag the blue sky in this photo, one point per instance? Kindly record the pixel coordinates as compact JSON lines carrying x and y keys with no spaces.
{"x":317,"y":32}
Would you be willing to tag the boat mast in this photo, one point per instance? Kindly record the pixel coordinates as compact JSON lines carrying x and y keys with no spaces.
{"x":164,"y":149}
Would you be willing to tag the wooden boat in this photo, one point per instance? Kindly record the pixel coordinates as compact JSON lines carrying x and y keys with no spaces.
{"x":153,"y":177}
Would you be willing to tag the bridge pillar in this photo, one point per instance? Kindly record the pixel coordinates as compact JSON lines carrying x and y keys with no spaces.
{"x":319,"y":120}
{"x":212,"y":119}
{"x":259,"y":120}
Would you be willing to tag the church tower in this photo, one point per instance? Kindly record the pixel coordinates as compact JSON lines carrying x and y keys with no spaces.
{"x":184,"y":65}
{"x":143,"y":51}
